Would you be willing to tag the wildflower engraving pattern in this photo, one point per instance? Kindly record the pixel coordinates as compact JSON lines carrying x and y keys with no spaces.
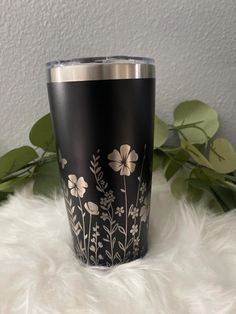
{"x":122,"y":222}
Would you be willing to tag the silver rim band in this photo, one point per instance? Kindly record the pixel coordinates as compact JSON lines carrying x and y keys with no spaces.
{"x":96,"y":71}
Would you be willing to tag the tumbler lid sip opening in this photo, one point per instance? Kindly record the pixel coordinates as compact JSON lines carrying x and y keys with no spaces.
{"x":100,"y":68}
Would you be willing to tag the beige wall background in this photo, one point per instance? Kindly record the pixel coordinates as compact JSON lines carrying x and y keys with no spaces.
{"x":193,"y":42}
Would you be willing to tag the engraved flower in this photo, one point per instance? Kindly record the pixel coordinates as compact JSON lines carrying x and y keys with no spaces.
{"x":123,"y":160}
{"x":119,"y":211}
{"x":145,"y":209}
{"x":104,"y":216}
{"x":92,"y":208}
{"x":134,"y":229}
{"x":77,"y":186}
{"x":134,"y":212}
{"x":136,"y":241}
{"x":100,"y":245}
{"x":143,"y":188}
{"x":108,"y":199}
{"x":62,"y":160}
{"x":141,"y":199}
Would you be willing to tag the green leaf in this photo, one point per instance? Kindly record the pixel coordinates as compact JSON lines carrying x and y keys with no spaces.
{"x":230,"y":185}
{"x":16,"y":159}
{"x":11,"y":185}
{"x":195,"y":154}
{"x":168,"y":149}
{"x":157,"y":160}
{"x":197,"y":121}
{"x":225,"y":197}
{"x":201,"y":184}
{"x":3,"y":196}
{"x":222,"y":156}
{"x":215,"y":206}
{"x":179,"y":186}
{"x":176,"y":162}
{"x":47,"y":179}
{"x":211,"y":174}
{"x":160,"y":132}
{"x":194,"y":195}
{"x":41,"y":134}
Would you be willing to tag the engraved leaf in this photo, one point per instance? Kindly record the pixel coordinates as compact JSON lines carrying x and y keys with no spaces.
{"x":130,"y":242}
{"x":117,"y":255}
{"x":92,"y":258}
{"x":92,"y":170}
{"x":114,"y":228}
{"x":98,"y":188}
{"x":92,"y":248}
{"x":121,"y":229}
{"x":106,"y":229}
{"x":121,"y":245}
{"x":100,"y":175}
{"x":108,"y":254}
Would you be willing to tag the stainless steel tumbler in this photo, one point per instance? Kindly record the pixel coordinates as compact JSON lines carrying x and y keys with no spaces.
{"x":103,"y":118}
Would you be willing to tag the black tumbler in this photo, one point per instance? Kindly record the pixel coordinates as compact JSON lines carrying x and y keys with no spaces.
{"x":103,"y":119}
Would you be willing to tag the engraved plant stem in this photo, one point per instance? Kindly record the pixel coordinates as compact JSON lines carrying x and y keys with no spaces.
{"x":90,"y":221}
{"x":83,"y":224}
{"x":110,"y":220}
{"x":126,"y":217}
{"x":140,"y":177}
{"x":138,"y":192}
{"x":81,"y":250}
{"x":111,"y":233}
{"x":140,"y":225}
{"x":72,"y":224}
{"x":96,"y":246}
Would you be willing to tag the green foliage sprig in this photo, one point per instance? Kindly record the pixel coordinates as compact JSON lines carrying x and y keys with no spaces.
{"x":198,"y":165}
{"x":20,"y":165}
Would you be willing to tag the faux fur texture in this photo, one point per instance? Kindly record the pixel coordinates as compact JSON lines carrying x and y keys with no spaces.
{"x":190,"y":266}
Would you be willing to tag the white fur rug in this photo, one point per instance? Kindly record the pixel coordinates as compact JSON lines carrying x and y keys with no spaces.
{"x":190,"y":266}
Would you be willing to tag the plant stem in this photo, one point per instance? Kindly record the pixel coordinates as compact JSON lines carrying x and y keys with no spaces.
{"x":126,"y":217}
{"x":83,"y":226}
{"x":140,"y":177}
{"x":90,"y":220}
{"x":27,"y":168}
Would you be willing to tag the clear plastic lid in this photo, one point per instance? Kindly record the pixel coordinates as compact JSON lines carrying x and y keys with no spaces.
{"x":100,"y":68}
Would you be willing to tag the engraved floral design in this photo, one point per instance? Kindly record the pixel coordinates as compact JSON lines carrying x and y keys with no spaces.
{"x":144,"y":212}
{"x":105,"y":232}
{"x":62,"y":160}
{"x":123,"y":160}
{"x":92,"y":208}
{"x":108,"y":199}
{"x":104,"y":216}
{"x":133,"y":212}
{"x":134,"y":229}
{"x":77,"y":186}
{"x":143,"y":188}
{"x":119,"y":211}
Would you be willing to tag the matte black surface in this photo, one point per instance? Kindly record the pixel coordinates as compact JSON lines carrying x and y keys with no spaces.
{"x":94,"y":118}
